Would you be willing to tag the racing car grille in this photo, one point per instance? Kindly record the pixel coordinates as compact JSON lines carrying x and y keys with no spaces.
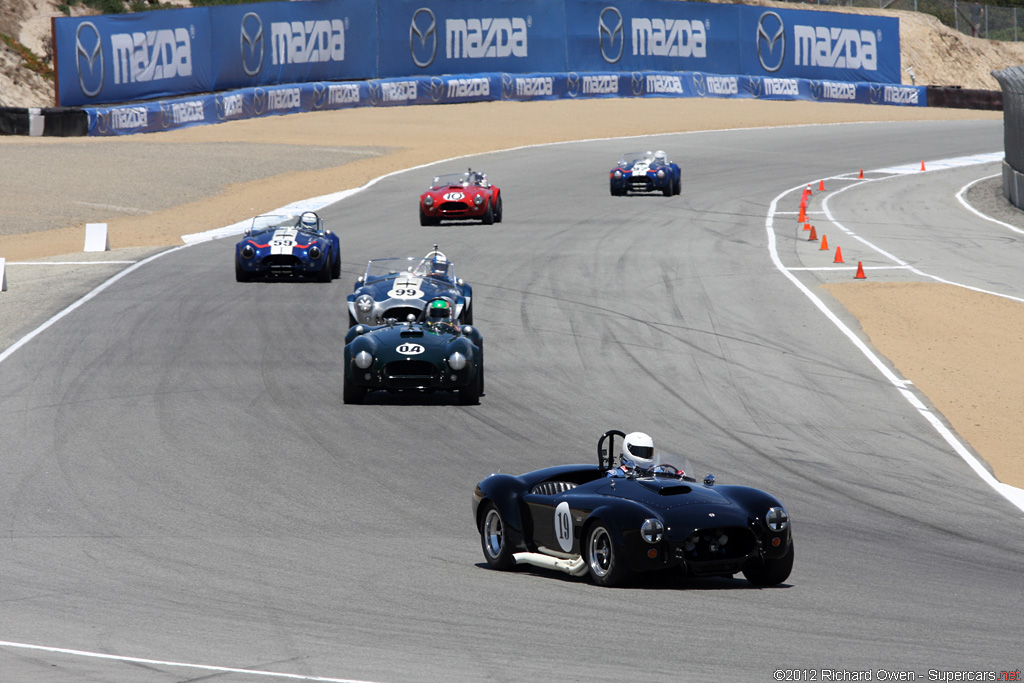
{"x":640,"y":183}
{"x":282,"y":264}
{"x":410,"y":374}
{"x":401,"y":313}
{"x":452,"y":207}
{"x":716,"y":551}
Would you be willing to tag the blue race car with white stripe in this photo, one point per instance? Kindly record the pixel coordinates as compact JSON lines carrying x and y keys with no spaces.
{"x":399,"y":289}
{"x":288,"y":246}
{"x":645,"y":172}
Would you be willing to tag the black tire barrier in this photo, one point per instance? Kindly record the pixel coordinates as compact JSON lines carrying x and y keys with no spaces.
{"x":48,"y":121}
{"x":954,"y":97}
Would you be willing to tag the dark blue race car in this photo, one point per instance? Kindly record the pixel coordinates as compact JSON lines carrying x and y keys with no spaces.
{"x":616,"y":519}
{"x":285,"y":246}
{"x":645,"y":172}
{"x":399,"y":288}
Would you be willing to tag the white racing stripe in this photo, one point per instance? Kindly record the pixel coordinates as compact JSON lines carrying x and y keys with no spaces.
{"x":158,"y":662}
{"x":1012,"y":494}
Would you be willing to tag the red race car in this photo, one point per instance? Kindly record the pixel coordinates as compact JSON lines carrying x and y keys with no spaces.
{"x":461,"y":196}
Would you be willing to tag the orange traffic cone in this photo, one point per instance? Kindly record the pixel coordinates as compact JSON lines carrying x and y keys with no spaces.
{"x":814,"y":235}
{"x":807,"y":226}
{"x":821,"y":185}
{"x":860,"y":272}
{"x":922,"y":165}
{"x":803,"y":216}
{"x":824,"y":243}
{"x":839,"y":255}
{"x":861,"y":176}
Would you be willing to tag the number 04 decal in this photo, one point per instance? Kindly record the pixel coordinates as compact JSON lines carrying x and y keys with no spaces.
{"x":563,"y":526}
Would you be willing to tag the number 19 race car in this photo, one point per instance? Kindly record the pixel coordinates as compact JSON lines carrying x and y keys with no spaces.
{"x":459,"y":196}
{"x":613,"y":521}
{"x":288,"y":246}
{"x":645,"y":172}
{"x":434,"y":353}
{"x":399,"y":288}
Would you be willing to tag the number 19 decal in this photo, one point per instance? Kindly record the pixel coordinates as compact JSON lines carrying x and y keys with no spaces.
{"x":563,"y":526}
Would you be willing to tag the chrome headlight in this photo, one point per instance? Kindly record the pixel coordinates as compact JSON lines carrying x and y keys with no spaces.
{"x":456,"y":361}
{"x":661,"y":175}
{"x":248,"y":251}
{"x":478,"y":200}
{"x":364,"y":303}
{"x":363,"y":360}
{"x":428,"y":200}
{"x":652,"y":530}
{"x":314,"y":252}
{"x":777,"y":519}
{"x":618,"y":173}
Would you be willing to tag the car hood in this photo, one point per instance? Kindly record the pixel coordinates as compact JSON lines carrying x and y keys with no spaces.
{"x":665,"y":493}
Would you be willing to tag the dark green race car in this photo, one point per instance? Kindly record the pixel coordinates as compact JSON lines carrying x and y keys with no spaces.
{"x":432,"y":353}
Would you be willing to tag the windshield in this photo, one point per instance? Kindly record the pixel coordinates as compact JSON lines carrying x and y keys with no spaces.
{"x":678,"y":462}
{"x":449,"y":179}
{"x":272,"y":222}
{"x":415,"y":266}
{"x":630,"y":158}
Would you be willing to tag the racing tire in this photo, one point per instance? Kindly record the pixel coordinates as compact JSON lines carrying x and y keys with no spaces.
{"x":496,"y":539}
{"x":604,"y":559}
{"x":499,"y":211}
{"x":426,"y":220}
{"x":241,"y":274}
{"x":324,"y":274}
{"x":352,"y":322}
{"x":488,"y":218}
{"x":467,"y":316}
{"x":469,"y":395}
{"x":769,"y":572}
{"x":677,"y":187}
{"x":669,"y":190}
{"x":350,"y":393}
{"x":336,"y":267}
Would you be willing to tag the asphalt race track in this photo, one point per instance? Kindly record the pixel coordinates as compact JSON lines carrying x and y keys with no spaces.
{"x":183,"y":491}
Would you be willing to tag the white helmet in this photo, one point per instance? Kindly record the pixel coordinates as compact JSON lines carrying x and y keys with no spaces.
{"x":308,"y":220}
{"x":660,"y":157}
{"x":638,"y":448}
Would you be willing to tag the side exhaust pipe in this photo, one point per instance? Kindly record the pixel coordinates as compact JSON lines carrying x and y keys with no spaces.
{"x":577,"y":567}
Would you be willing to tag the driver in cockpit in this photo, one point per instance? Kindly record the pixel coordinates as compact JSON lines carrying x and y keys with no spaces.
{"x":439,"y":312}
{"x":638,"y":458}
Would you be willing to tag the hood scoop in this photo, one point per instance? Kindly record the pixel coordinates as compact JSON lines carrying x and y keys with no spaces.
{"x":412,"y":332}
{"x":666,"y":488}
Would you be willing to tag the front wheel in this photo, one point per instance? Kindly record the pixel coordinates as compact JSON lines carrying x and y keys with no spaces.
{"x":769,"y":572}
{"x":469,"y":395}
{"x":499,"y":211}
{"x":488,"y":218}
{"x":496,"y":539}
{"x":604,"y":559}
{"x":241,"y":274}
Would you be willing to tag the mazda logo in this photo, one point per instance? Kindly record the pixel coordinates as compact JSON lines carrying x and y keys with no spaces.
{"x":166,"y":115}
{"x":437,"y":89}
{"x":572,"y":84}
{"x":700,"y":86}
{"x":755,"y":87}
{"x":771,"y":41}
{"x":89,"y":54}
{"x":508,"y":87}
{"x":373,"y":88}
{"x":102,"y":121}
{"x":638,"y":84}
{"x":610,"y":33}
{"x":875,"y":93}
{"x":319,"y":95}
{"x":259,"y":101}
{"x":252,"y":44}
{"x":817,"y":90}
{"x":423,"y":37}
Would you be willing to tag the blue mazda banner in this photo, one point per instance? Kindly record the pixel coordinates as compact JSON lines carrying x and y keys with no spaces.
{"x":652,"y":35}
{"x":431,"y":37}
{"x":128,"y":57}
{"x":819,"y":45}
{"x":293,"y":42}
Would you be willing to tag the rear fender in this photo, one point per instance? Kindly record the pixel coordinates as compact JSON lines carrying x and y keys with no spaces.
{"x":506,"y":492}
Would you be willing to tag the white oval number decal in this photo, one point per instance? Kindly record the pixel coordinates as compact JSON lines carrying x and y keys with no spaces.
{"x":452,"y":196}
{"x":410,"y":349}
{"x":563,"y":526}
{"x":406,"y":288}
